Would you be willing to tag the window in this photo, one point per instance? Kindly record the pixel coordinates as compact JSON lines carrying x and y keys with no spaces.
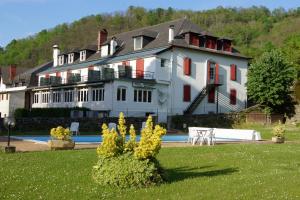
{"x":98,"y":94}
{"x":121,"y":94}
{"x":164,"y":63}
{"x":212,"y":67}
{"x":36,"y":97}
{"x":56,"y":96}
{"x":138,"y":43}
{"x":233,"y":97}
{"x":233,"y":72}
{"x":83,"y":95}
{"x":61,"y":60}
{"x":186,"y":93}
{"x":194,"y":40}
{"x":71,"y":58}
{"x":211,"y":95}
{"x":45,"y":97}
{"x":187,"y":66}
{"x":82,"y":55}
{"x":142,"y":95}
{"x":69,"y":95}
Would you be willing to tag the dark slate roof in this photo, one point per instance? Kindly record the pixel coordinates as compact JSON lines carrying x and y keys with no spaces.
{"x":28,"y":78}
{"x":159,"y":33}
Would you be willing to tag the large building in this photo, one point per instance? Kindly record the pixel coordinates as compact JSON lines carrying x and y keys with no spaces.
{"x":172,"y":68}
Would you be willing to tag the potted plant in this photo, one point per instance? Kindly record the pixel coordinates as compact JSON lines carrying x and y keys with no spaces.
{"x":278,"y":133}
{"x":61,"y":139}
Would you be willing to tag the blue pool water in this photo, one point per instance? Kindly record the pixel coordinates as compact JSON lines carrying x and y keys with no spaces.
{"x":98,"y":138}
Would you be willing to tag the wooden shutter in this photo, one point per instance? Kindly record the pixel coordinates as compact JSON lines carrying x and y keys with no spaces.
{"x":211,"y":95}
{"x":187,"y":66}
{"x":233,"y":72}
{"x":58,"y":74}
{"x":217,"y":74}
{"x":208,"y":71}
{"x":187,"y":93}
{"x":140,"y":68}
{"x":194,"y":40}
{"x":233,"y":97}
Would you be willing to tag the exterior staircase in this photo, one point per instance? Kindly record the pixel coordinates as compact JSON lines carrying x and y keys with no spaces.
{"x":192,"y":107}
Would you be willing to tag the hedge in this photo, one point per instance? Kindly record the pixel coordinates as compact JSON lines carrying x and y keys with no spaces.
{"x":45,"y":112}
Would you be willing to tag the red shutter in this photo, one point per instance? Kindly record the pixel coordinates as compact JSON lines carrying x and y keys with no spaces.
{"x":47,"y":75}
{"x":213,"y":44}
{"x":126,"y":63}
{"x":91,"y":67}
{"x":233,"y":72}
{"x":187,"y":66}
{"x":194,"y":40}
{"x":187,"y":93}
{"x":58,"y":74}
{"x":140,"y":68}
{"x":217,"y":74}
{"x":211,"y":95}
{"x":233,"y":97}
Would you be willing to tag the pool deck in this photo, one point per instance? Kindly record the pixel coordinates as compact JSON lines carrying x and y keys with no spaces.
{"x":27,"y":146}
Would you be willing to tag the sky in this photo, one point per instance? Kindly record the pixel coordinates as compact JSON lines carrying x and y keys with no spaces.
{"x":22,"y":18}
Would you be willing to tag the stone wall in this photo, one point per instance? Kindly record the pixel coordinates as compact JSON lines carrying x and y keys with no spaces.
{"x":86,"y":124}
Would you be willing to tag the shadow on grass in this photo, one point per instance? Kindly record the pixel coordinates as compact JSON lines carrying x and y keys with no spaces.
{"x":181,"y":173}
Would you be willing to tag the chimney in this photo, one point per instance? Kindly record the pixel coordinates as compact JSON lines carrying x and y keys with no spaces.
{"x":56,"y":52}
{"x":171,"y":33}
{"x":102,"y":37}
{"x":113,"y":45}
{"x":12,"y":72}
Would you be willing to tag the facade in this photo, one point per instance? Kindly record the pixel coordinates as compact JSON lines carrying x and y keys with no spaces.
{"x":168,"y":69}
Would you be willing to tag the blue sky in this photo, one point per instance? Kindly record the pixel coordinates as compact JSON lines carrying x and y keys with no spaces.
{"x":21,"y":18}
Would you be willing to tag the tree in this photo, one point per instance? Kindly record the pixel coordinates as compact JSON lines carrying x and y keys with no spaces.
{"x":269,"y":82}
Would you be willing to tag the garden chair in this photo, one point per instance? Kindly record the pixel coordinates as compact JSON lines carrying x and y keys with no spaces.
{"x":193,"y":135}
{"x":210,"y":137}
{"x":74,"y":128}
{"x":112,"y":126}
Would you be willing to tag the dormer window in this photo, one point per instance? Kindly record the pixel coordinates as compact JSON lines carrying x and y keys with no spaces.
{"x":138,"y":43}
{"x":71,"y":58}
{"x":82,"y":55}
{"x":61,"y":60}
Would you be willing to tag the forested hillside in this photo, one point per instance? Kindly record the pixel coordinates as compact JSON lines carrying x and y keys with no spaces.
{"x":254,"y":30}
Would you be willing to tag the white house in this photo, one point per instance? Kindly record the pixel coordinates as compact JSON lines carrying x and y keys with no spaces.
{"x":172,"y":68}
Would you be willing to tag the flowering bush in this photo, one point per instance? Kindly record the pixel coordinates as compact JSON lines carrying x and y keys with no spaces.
{"x":278,"y":130}
{"x":129,"y":163}
{"x":61,"y":133}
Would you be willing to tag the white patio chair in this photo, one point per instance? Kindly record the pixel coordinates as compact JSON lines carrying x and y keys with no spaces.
{"x":193,"y":135}
{"x":74,"y":128}
{"x":210,"y":137}
{"x":112,"y":126}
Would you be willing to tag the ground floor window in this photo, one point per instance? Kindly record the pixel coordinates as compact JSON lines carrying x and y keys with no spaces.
{"x":98,"y":94}
{"x":142,"y":95}
{"x":121,"y":94}
{"x":56,"y":96}
{"x":45,"y":97}
{"x":36,"y":97}
{"x":69,"y":95}
{"x":83,"y":95}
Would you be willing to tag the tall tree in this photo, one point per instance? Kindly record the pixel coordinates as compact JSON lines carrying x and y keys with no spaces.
{"x":269,"y":82}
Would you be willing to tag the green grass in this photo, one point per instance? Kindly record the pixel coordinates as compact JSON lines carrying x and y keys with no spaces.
{"x":240,"y":171}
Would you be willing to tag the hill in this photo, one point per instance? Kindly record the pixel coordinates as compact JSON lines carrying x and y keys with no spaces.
{"x":253,"y":29}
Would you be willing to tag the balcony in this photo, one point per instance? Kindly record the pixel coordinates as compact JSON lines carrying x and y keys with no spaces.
{"x":106,"y":74}
{"x":219,"y":81}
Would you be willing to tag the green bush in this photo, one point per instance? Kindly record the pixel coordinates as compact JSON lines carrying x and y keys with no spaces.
{"x":45,"y":112}
{"x":125,"y":171}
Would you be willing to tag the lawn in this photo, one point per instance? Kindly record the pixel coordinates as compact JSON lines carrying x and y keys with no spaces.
{"x":233,"y":171}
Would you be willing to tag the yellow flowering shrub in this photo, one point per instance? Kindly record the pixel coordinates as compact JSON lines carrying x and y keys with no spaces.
{"x":279,"y":130}
{"x":131,"y":143}
{"x":150,"y":142}
{"x":61,"y":133}
{"x":122,"y":127}
{"x":109,"y":146}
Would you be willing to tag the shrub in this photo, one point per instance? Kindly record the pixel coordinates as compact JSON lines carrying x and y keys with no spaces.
{"x":279,"y":130}
{"x":45,"y":112}
{"x":61,"y":133}
{"x":129,"y":163}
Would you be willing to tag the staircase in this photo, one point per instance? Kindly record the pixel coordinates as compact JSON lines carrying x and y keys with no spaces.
{"x":191,"y":108}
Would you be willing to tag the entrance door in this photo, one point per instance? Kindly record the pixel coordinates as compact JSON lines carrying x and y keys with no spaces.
{"x":212,"y":73}
{"x":140,"y":68}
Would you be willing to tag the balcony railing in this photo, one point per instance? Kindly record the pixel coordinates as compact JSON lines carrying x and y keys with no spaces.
{"x":107,"y":74}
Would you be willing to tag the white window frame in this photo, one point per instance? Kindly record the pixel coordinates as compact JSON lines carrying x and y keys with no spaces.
{"x":83,"y":95}
{"x":142,"y":95}
{"x":36,"y":97}
{"x":61,"y":59}
{"x":71,"y":58}
{"x":68,"y":96}
{"x":83,"y":55}
{"x":121,"y":89}
{"x":56,"y":96}
{"x":45,"y":97}
{"x":135,"y":43}
{"x":98,"y":94}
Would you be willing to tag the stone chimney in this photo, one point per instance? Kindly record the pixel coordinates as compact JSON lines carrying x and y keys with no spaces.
{"x":102,"y":37}
{"x":171,"y":33}
{"x":12,"y":71}
{"x":56,"y":52}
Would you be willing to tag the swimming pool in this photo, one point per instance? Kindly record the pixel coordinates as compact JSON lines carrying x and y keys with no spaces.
{"x":82,"y":139}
